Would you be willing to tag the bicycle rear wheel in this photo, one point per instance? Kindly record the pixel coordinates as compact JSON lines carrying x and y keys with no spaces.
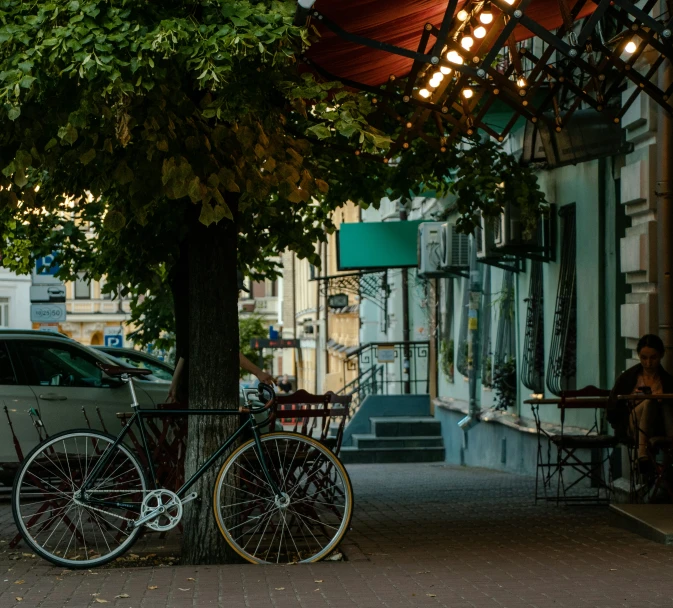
{"x":64,"y":527}
{"x":303,"y":525}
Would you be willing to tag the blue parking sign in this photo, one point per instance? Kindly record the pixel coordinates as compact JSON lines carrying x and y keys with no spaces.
{"x":114,"y":341}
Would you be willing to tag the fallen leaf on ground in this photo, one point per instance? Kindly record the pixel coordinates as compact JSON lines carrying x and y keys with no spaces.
{"x":280,"y":588}
{"x":19,"y":599}
{"x":21,"y":582}
{"x":122,"y":595}
{"x":191,"y":579}
{"x":101,"y":601}
{"x":318,"y":580}
{"x":316,"y":590}
{"x":430,"y":595}
{"x":187,"y":589}
{"x":153,"y":587}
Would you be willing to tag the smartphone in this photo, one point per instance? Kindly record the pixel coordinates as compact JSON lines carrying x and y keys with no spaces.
{"x":645,"y":390}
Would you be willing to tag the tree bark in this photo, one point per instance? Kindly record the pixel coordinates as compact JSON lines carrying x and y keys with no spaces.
{"x":213,"y":377}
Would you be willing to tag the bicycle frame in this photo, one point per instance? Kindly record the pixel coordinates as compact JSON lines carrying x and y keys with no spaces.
{"x":137,"y":418}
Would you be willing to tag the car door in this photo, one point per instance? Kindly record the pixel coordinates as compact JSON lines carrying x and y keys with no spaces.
{"x":65,"y":378}
{"x":17,"y":434}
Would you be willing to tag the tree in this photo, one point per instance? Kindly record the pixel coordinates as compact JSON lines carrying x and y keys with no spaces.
{"x":183,"y":131}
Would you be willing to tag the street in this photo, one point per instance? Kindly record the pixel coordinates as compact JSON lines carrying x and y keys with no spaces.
{"x":423,"y":535}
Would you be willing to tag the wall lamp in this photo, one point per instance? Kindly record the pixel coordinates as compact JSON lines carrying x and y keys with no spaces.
{"x":303,"y":10}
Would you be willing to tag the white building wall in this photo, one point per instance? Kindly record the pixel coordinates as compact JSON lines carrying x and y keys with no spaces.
{"x":16,"y":289}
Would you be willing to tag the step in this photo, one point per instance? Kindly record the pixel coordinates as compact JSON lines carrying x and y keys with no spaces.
{"x":353,"y":455}
{"x":367,"y":442}
{"x":653,"y":521}
{"x":406,"y":426}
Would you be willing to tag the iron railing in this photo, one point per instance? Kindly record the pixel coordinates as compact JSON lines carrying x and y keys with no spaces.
{"x":369,"y":382}
{"x":405,"y":365}
{"x":563,"y":352}
{"x":532,"y":365}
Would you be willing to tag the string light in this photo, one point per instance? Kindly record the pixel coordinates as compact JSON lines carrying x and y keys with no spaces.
{"x":444,"y":70}
{"x":434,"y":83}
{"x":424,"y":93}
{"x":466,"y":42}
{"x":479,"y":32}
{"x":467,"y":93}
{"x":630,"y":47}
{"x":521,"y":82}
{"x":486,"y":16}
{"x":462,"y":15}
{"x":454,"y":57}
{"x":439,"y":75}
{"x":509,"y":1}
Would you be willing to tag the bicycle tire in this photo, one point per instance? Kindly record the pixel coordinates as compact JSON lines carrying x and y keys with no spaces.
{"x":57,"y":474}
{"x":326,"y":521}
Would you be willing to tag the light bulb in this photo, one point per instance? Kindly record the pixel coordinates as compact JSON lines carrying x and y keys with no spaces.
{"x":467,"y":93}
{"x":438,"y":76}
{"x":424,"y":93}
{"x":521,"y":81}
{"x":462,"y":15}
{"x":467,"y":42}
{"x":509,"y":1}
{"x":487,"y":14}
{"x":479,"y":32}
{"x":434,"y":83}
{"x":454,"y":57}
{"x":444,"y":70}
{"x":630,"y":47}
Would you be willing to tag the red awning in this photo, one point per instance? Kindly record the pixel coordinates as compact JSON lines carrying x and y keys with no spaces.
{"x":397,"y":22}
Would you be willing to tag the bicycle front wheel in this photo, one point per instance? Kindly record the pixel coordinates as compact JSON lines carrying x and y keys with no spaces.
{"x":65,"y":526}
{"x":306,"y":522}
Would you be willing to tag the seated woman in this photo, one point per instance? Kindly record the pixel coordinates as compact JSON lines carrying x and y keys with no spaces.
{"x":641,"y":420}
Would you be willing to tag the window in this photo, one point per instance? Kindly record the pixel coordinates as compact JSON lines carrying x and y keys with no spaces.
{"x":258,"y":289}
{"x":6,"y":369}
{"x":82,"y":288}
{"x":274,"y":288}
{"x":52,"y":364}
{"x":4,"y":312}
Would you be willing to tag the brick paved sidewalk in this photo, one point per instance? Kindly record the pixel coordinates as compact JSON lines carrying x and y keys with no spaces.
{"x":423,"y":535}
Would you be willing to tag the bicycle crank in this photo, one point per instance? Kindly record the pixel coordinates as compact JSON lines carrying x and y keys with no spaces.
{"x":162,"y":510}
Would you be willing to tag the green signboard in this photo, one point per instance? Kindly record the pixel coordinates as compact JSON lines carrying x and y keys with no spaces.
{"x":369,"y":245}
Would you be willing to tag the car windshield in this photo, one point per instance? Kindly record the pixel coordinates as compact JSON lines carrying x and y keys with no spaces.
{"x":141,"y":362}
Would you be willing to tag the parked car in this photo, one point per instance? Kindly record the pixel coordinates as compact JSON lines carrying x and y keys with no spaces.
{"x":57,"y":377}
{"x":161,"y":371}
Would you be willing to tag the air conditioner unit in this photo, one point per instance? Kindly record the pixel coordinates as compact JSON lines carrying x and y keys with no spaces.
{"x":485,"y":235}
{"x":455,"y":248}
{"x":430,"y":249}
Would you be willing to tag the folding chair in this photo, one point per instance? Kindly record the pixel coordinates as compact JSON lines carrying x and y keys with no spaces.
{"x":573,"y":449}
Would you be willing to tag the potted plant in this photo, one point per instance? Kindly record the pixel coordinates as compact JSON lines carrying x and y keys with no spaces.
{"x":504,"y":383}
{"x":446,"y":358}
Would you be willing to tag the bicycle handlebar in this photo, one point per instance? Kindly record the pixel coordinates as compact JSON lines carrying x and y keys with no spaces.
{"x":262,"y":390}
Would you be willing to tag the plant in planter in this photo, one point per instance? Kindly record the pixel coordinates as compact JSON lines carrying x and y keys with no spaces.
{"x":446,"y":359}
{"x":504,"y":383}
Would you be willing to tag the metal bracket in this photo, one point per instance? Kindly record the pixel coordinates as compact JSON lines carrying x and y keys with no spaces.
{"x":370,"y":285}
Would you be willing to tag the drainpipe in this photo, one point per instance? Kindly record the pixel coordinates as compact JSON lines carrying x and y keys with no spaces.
{"x":406,"y":369}
{"x":664,"y":197}
{"x":473,"y":339}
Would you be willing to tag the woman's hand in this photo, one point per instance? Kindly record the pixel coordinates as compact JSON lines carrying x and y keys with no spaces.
{"x":266,"y":378}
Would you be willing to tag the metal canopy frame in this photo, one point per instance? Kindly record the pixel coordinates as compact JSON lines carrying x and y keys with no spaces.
{"x":575,"y":67}
{"x":370,"y":285}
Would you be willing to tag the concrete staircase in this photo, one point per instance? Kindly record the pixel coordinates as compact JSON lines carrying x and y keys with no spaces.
{"x":397,"y":439}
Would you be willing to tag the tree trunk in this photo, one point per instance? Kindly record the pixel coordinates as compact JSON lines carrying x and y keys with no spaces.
{"x":213,"y":378}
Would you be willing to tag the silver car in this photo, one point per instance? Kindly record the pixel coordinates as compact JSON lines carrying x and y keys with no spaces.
{"x":57,"y":378}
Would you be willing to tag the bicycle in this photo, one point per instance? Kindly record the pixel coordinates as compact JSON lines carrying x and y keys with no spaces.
{"x":81,"y":497}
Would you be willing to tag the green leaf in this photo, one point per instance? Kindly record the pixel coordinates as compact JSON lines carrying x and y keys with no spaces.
{"x":14,"y":113}
{"x":194,"y":190}
{"x":123,"y":173}
{"x":88,"y":156}
{"x":320,"y":131}
{"x":50,"y":144}
{"x":68,"y":134}
{"x":114,"y":221}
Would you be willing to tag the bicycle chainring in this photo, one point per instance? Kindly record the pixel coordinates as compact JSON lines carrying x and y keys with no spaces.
{"x":171,"y":515}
